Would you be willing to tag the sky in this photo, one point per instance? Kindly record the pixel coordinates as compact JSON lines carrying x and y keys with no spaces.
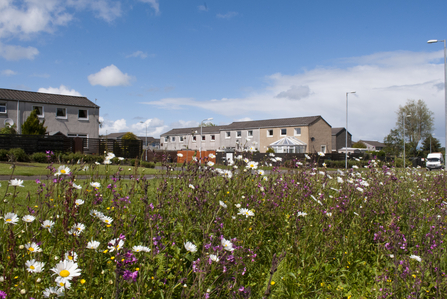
{"x":154,"y":65}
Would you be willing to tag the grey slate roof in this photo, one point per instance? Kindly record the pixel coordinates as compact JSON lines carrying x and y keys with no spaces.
{"x":149,"y":139}
{"x":45,"y":98}
{"x":274,"y":123}
{"x":187,"y":131}
{"x":336,"y":131}
{"x":373,"y":143}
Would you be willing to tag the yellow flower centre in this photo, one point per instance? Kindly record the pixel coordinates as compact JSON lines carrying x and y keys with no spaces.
{"x":63,"y":171}
{"x":106,"y":221}
{"x":64,"y":273}
{"x":61,"y":284}
{"x":31,"y":249}
{"x":8,"y":220}
{"x":70,"y":258}
{"x":82,"y":281}
{"x":78,"y":228}
{"x":32,"y":267}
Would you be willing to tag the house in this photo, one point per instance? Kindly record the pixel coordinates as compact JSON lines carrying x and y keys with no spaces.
{"x":285,"y":135}
{"x":372,"y":145}
{"x":152,"y":143}
{"x":339,"y":139}
{"x":73,"y":116}
{"x":190,"y":138}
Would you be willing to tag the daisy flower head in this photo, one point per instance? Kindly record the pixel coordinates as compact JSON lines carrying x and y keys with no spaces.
{"x":78,"y":227}
{"x":252,"y":165}
{"x":77,"y":186}
{"x":121,"y":158}
{"x":16,"y":183}
{"x":192,"y":186}
{"x":227,"y":245}
{"x":307,"y":156}
{"x":47,"y":224}
{"x":210,"y":163}
{"x":11,"y":218}
{"x":62,"y":170}
{"x":33,"y":266}
{"x":211,"y":156}
{"x":79,"y":202}
{"x":28,"y":218}
{"x":107,"y":162}
{"x":245,"y":212}
{"x":321,"y":154}
{"x":65,"y":271}
{"x":33,"y":247}
{"x":53,"y":291}
{"x":71,"y":255}
{"x":106,"y":219}
{"x":190,"y":247}
{"x":180,"y":155}
{"x":261,"y":172}
{"x":110,"y":156}
{"x":115,"y":244}
{"x":93,"y":245}
{"x":415,"y":257}
{"x":140,"y":248}
{"x":301,"y":214}
{"x":222,"y":204}
{"x":96,"y":213}
{"x":214,"y":258}
{"x":238,"y":205}
{"x":97,"y":163}
{"x":245,"y":160}
{"x":95,"y":185}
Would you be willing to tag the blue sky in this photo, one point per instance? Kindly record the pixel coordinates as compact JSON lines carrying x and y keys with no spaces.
{"x":173,"y":63}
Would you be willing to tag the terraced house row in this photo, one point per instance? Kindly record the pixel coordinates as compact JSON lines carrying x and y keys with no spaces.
{"x":308,"y":134}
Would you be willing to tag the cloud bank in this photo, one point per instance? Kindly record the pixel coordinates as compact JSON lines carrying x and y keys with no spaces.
{"x":110,"y":76}
{"x":60,"y":90}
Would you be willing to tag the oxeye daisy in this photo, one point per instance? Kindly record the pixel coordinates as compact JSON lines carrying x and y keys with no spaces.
{"x":252,"y":165}
{"x":48,"y":224}
{"x":93,"y":245}
{"x":245,"y":212}
{"x":79,"y":227}
{"x":11,"y":218}
{"x":62,"y":170}
{"x":33,"y":266}
{"x":214,"y":258}
{"x":115,"y":244}
{"x":77,"y":186}
{"x":53,"y":291}
{"x":71,"y":255}
{"x":65,"y":271}
{"x":28,"y":218}
{"x":106,"y":219}
{"x":227,"y":245}
{"x":95,"y":184}
{"x":140,"y":248}
{"x":190,"y":247}
{"x":222,"y":204}
{"x":33,"y":247}
{"x":79,"y":202}
{"x":96,"y":213}
{"x":16,"y":183}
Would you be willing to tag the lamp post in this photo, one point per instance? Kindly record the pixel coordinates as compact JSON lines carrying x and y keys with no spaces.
{"x":201,"y":125}
{"x":146,"y":139}
{"x":404,"y":120}
{"x":346,"y":134}
{"x":432,"y":41}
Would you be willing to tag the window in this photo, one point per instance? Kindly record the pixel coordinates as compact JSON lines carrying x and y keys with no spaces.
{"x":297,"y":131}
{"x":323,"y":148}
{"x":166,"y":139}
{"x":173,"y":138}
{"x":213,"y":137}
{"x":283,"y":132}
{"x":227,"y":134}
{"x":238,"y":134}
{"x":181,"y":138}
{"x":83,"y":114}
{"x":84,"y":140}
{"x":61,"y":113}
{"x":39,"y":110}
{"x":194,"y":138}
{"x":250,"y":133}
{"x":203,"y":137}
{"x":2,"y":108}
{"x":270,"y":133}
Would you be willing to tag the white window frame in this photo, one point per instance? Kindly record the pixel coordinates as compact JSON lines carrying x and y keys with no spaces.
{"x":268,"y":133}
{"x":4,"y":105}
{"x":238,"y":134}
{"x":249,"y":133}
{"x":83,"y":118}
{"x":43,"y":111}
{"x":61,"y":117}
{"x":181,"y":138}
{"x":203,"y":137}
{"x":280,"y":132}
{"x":173,"y":138}
{"x":227,"y":134}
{"x":213,"y":137}
{"x":295,"y":133}
{"x":194,"y":138}
{"x":323,"y":148}
{"x":167,"y":139}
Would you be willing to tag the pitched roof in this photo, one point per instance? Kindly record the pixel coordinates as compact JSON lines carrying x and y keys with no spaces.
{"x":373,"y":143}
{"x":288,"y":141}
{"x":115,"y":135}
{"x":278,"y":122}
{"x":336,"y":131}
{"x":196,"y":130}
{"x":149,"y":139}
{"x":46,"y":98}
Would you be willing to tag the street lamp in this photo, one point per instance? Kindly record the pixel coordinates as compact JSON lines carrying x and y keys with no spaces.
{"x":201,"y":124}
{"x":346,"y":133}
{"x":404,"y":120}
{"x":146,"y":138}
{"x":432,"y":41}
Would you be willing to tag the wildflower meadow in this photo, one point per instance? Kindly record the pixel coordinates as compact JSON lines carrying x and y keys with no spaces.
{"x":236,"y":232}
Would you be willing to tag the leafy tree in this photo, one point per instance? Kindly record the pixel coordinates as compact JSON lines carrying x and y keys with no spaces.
{"x":435,"y":144}
{"x":129,"y":136}
{"x":208,"y":124}
{"x":359,"y":144}
{"x":8,"y":129}
{"x":393,"y":142}
{"x":32,"y":125}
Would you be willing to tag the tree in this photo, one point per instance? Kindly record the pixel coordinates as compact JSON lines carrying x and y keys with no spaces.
{"x":8,"y":129}
{"x":129,"y":136}
{"x":32,"y":125}
{"x":435,"y":144}
{"x":418,"y":122}
{"x":208,"y":124}
{"x":359,"y":144}
{"x":393,"y":142}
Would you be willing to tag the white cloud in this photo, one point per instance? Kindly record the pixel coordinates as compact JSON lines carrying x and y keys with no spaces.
{"x":10,"y":52}
{"x":228,"y":15}
{"x":203,"y":7}
{"x":140,"y":54}
{"x":155,"y":5}
{"x":110,"y":76}
{"x":60,"y":90}
{"x":383,"y":81}
{"x":155,"y":127}
{"x":8,"y":73}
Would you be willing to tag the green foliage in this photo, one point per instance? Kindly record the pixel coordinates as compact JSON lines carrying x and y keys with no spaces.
{"x":359,"y":144}
{"x":39,"y":157}
{"x":32,"y":125}
{"x":18,"y":154}
{"x":4,"y":154}
{"x":129,"y":136}
{"x":432,"y":143}
{"x":393,"y":142}
{"x":8,"y":129}
{"x":270,"y":151}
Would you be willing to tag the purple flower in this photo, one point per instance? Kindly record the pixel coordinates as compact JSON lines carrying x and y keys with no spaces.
{"x":128,"y":275}
{"x":3,"y":295}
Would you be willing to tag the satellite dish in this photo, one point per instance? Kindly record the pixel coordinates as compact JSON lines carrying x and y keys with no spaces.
{"x":9,"y":122}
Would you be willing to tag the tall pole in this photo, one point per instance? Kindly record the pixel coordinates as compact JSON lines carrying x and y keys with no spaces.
{"x":201,"y":125}
{"x":346,"y":133}
{"x":146,"y":143}
{"x":432,"y":41}
{"x":405,"y":120}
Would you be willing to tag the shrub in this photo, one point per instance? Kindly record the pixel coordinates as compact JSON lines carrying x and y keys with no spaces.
{"x":4,"y":154}
{"x":39,"y":157}
{"x":18,"y":154}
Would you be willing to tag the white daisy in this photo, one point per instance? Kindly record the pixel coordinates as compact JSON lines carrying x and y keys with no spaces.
{"x":96,"y":213}
{"x":252,"y":165}
{"x":115,"y":244}
{"x":62,"y":170}
{"x":307,"y":156}
{"x":180,"y":155}
{"x":190,"y":247}
{"x":227,"y":245}
{"x":50,"y":291}
{"x":107,"y":162}
{"x":301,"y":214}
{"x":77,"y":186}
{"x":95,"y":184}
{"x":211,"y":156}
{"x":192,"y":186}
{"x":110,"y":156}
{"x":71,"y":255}
{"x":415,"y":257}
{"x":33,"y":247}
{"x":11,"y":218}
{"x":238,"y":205}
{"x":245,"y":212}
{"x":28,"y":218}
{"x":93,"y":245}
{"x":214,"y":258}
{"x":140,"y":248}
{"x":121,"y":158}
{"x":106,"y":219}
{"x":210,"y":163}
{"x":261,"y":172}
{"x":16,"y":183}
{"x":222,"y":204}
{"x":47,"y":224}
{"x":65,"y":271}
{"x":79,"y":202}
{"x":33,"y":266}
